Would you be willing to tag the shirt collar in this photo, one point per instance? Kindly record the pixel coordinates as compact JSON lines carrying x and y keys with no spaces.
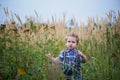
{"x":73,"y":50}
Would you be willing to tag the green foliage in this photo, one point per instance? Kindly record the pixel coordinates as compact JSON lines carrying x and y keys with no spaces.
{"x":24,"y":60}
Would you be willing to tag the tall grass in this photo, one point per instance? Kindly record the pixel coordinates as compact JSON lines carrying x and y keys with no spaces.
{"x":23,"y":49}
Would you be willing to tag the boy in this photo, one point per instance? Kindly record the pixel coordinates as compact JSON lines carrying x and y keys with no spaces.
{"x":70,"y":58}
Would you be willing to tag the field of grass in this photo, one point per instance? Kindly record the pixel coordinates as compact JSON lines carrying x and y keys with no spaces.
{"x":23,"y":49}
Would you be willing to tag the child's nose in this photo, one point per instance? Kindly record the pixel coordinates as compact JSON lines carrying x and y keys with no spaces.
{"x":71,"y":43}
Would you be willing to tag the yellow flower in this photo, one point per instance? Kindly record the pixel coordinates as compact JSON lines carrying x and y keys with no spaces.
{"x":21,"y":71}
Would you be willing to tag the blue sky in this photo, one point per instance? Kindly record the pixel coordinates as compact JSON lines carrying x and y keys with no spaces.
{"x":80,"y":9}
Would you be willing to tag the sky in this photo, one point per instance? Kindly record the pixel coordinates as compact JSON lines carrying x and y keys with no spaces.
{"x":79,"y":9}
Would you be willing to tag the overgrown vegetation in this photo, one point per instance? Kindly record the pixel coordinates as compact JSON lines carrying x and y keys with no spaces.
{"x":23,"y":49}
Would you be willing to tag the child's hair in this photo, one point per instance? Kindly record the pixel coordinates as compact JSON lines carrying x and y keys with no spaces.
{"x":72,"y":34}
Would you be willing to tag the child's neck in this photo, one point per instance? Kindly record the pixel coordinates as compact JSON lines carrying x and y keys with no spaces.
{"x":71,"y":49}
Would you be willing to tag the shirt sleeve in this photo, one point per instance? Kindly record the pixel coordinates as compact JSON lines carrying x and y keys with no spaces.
{"x":79,"y":57}
{"x":60,"y":57}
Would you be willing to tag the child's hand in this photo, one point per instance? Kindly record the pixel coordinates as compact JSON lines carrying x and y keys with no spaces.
{"x":48,"y":55}
{"x":83,"y":56}
{"x":52,"y":58}
{"x":80,"y":53}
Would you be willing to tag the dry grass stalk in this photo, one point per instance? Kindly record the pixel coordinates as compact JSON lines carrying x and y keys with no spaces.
{"x":18,"y":19}
{"x":12,"y":19}
{"x":6,"y":11}
{"x":36,"y":13}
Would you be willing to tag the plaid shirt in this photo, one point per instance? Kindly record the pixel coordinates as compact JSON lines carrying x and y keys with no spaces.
{"x":70,"y":57}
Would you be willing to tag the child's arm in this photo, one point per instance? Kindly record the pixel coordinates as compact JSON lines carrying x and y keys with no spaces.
{"x":54,"y":60}
{"x":84,"y":58}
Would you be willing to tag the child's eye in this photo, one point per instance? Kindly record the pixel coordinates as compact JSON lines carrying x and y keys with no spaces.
{"x":69,"y":41}
{"x":73,"y":41}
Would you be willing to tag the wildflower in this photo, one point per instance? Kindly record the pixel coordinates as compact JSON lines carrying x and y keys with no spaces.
{"x":21,"y":71}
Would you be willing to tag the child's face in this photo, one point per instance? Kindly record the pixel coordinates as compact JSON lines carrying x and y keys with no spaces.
{"x":71,"y":42}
